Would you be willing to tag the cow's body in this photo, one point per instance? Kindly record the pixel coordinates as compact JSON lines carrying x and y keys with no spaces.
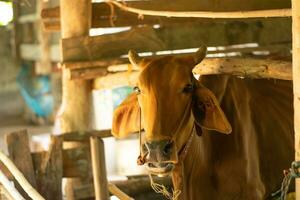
{"x":247,"y":164}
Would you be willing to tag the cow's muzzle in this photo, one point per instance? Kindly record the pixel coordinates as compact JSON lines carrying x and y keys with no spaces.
{"x":161,"y":156}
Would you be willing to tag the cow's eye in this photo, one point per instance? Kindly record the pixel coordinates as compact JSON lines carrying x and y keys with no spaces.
{"x":188,"y":88}
{"x":137,"y":90}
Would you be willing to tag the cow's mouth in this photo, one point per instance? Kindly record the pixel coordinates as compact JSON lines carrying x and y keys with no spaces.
{"x":160,"y":169}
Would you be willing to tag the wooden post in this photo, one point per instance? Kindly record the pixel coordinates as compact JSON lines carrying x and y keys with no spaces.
{"x":296,"y":82}
{"x":19,"y":153}
{"x":74,"y":113}
{"x":99,"y":170}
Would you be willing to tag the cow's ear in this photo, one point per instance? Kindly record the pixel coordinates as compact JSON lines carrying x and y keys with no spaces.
{"x":126,"y":117}
{"x":207,"y":111}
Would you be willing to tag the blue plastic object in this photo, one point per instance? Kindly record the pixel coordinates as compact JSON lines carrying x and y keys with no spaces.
{"x":36,"y":91}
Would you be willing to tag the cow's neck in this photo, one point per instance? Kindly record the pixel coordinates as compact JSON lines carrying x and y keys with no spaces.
{"x":187,"y":166}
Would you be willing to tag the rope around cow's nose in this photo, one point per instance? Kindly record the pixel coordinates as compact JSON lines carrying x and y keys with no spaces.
{"x":161,"y":189}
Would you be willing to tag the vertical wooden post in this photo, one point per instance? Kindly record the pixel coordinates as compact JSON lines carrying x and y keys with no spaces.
{"x":99,"y":170}
{"x":43,"y":66}
{"x":74,"y":113}
{"x":296,"y":82}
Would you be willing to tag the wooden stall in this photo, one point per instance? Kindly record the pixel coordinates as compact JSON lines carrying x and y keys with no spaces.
{"x":249,"y":39}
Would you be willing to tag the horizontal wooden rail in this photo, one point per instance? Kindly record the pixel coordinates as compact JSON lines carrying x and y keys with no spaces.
{"x":205,"y":14}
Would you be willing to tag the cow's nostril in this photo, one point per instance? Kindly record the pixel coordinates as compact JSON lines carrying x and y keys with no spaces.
{"x":168,"y":147}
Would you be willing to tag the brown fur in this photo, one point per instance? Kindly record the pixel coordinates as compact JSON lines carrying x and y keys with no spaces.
{"x":246,"y":164}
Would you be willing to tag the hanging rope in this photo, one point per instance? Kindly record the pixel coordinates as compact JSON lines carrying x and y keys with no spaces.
{"x":290,"y":174}
{"x":161,"y":189}
{"x":205,"y":14}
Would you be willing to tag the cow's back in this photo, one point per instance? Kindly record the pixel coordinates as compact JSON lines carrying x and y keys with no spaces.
{"x":261,"y":144}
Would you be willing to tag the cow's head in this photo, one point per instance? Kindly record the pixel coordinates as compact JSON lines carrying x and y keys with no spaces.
{"x":171,"y":102}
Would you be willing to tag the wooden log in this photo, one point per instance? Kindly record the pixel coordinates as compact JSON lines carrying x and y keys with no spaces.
{"x":205,"y":14}
{"x":132,"y":187}
{"x":118,"y":193}
{"x":87,"y":73}
{"x":253,"y":68}
{"x":19,"y":153}
{"x":74,"y":113}
{"x":88,"y":48}
{"x":50,"y":171}
{"x":296,"y":83}
{"x":99,"y":168}
{"x":116,"y":80}
{"x":53,"y":12}
{"x":51,"y":26}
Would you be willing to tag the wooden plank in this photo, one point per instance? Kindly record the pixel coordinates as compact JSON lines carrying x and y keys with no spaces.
{"x":148,"y":39}
{"x":50,"y":171}
{"x":99,"y":168}
{"x":88,"y":48}
{"x":253,"y":68}
{"x":76,"y":162}
{"x":296,"y":83}
{"x":19,"y":153}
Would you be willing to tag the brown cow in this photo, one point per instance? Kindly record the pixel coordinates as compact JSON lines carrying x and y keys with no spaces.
{"x":246,"y":164}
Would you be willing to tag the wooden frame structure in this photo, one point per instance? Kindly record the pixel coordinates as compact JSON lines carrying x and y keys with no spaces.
{"x":84,"y":58}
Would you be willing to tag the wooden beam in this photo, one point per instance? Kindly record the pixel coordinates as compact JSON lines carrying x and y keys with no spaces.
{"x":116,"y":80}
{"x":205,"y":14}
{"x":245,"y":67}
{"x":99,"y":168}
{"x":86,"y":73}
{"x":133,"y":186}
{"x":296,"y":83}
{"x":253,"y":68}
{"x":88,"y":48}
{"x":19,"y":153}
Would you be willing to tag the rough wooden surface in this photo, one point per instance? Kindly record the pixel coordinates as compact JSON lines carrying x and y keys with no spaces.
{"x":88,"y":48}
{"x":50,"y":171}
{"x":99,"y":168}
{"x":76,"y":162}
{"x":296,"y":83}
{"x":74,"y":113}
{"x":19,"y":153}
{"x":246,"y":67}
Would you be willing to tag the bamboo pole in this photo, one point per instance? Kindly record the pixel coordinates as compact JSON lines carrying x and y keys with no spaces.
{"x":296,"y":82}
{"x":204,"y":14}
{"x":118,"y":193}
{"x":13,"y":192}
{"x":32,"y":193}
{"x":99,"y":170}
